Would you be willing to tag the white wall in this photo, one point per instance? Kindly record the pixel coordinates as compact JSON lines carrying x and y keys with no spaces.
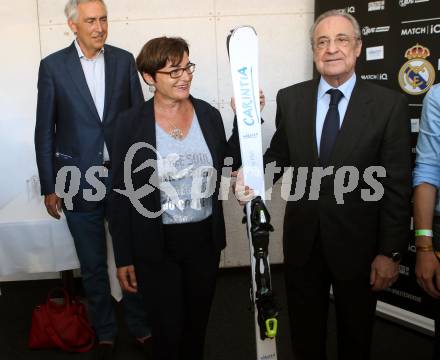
{"x":20,"y":44}
{"x":30,"y":25}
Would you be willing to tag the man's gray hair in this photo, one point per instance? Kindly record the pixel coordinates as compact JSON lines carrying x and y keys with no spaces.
{"x":71,"y":8}
{"x":336,"y":12}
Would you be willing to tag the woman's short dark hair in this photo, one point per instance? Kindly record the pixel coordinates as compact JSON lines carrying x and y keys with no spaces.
{"x":156,"y":52}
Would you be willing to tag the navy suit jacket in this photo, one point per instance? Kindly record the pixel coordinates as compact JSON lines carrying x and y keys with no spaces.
{"x":375,"y":132}
{"x":68,"y":129}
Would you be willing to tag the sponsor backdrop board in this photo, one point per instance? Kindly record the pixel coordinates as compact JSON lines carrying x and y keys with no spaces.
{"x":400,"y":51}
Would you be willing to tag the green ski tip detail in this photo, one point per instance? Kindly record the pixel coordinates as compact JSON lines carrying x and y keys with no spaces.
{"x":271,"y":327}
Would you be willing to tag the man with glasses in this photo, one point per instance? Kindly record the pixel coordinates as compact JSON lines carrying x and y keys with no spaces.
{"x":81,"y":90}
{"x":354,"y":247}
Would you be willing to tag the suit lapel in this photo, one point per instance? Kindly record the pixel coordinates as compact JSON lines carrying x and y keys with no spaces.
{"x":148,"y":118}
{"x":204,"y":122}
{"x":305,"y":132}
{"x":78,"y":78}
{"x":355,"y":121}
{"x":109,"y":78}
{"x":148,"y":135}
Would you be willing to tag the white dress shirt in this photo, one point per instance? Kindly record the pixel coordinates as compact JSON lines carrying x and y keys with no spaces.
{"x":94,"y":71}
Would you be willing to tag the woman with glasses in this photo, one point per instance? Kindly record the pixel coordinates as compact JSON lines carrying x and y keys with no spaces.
{"x":168,"y":235}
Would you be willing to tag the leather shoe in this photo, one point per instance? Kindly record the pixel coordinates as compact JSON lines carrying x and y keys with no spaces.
{"x":145,"y":347}
{"x":104,"y":351}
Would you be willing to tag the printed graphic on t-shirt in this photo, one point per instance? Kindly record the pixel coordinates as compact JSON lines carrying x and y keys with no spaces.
{"x":186,"y":186}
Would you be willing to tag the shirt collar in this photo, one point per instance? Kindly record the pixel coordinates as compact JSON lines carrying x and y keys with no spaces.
{"x":346,"y":88}
{"x":81,"y":54}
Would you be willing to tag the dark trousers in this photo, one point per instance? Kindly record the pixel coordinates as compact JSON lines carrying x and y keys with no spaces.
{"x":434,"y":307}
{"x":308,"y":289}
{"x":180,"y":291}
{"x":436,"y":352}
{"x":88,"y":232}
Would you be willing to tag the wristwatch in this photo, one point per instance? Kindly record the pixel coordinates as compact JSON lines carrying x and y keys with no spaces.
{"x":394,"y":255}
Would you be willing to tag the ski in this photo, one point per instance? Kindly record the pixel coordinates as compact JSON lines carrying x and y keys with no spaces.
{"x":242,"y":44}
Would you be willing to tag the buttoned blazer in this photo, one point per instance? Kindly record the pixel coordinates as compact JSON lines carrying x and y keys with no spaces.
{"x":137,"y":236}
{"x":375,"y":132}
{"x":69,"y":131}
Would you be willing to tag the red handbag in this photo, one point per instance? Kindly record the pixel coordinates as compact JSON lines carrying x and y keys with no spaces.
{"x":64,"y":326}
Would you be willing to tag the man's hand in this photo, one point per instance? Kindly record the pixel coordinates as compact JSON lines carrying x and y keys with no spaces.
{"x":53,"y":205}
{"x":262,"y":102}
{"x":384,"y":272}
{"x":242,"y":192}
{"x":127,"y":278}
{"x":428,"y":272}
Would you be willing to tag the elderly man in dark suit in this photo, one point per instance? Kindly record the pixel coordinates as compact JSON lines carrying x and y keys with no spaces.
{"x":353,"y":244}
{"x":81,"y":90}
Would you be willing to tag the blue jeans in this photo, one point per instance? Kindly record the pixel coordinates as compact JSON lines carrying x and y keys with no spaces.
{"x":87,"y":229}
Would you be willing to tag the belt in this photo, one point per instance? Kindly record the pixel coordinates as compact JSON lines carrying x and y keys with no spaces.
{"x":107,"y":165}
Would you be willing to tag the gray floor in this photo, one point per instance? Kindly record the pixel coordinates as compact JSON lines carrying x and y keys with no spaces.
{"x":230,"y":335}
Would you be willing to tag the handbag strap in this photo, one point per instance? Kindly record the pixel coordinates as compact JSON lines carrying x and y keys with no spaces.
{"x":66,"y":297}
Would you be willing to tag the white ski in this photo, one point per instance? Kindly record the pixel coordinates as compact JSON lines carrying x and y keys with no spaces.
{"x":243,"y":55}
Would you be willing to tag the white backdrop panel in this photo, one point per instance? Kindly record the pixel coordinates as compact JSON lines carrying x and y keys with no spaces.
{"x":54,"y":38}
{"x":52,"y":11}
{"x":285,"y":57}
{"x":234,"y":7}
{"x":150,"y":9}
{"x":19,"y":38}
{"x":237,"y":251}
{"x":200,"y":34}
{"x":268,"y":128}
{"x":227,"y":116}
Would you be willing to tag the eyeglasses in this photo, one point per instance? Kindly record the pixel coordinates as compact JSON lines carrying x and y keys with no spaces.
{"x":339,"y":41}
{"x":177,"y":73}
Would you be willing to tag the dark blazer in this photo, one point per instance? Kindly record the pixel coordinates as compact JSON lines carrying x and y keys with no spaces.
{"x":139,"y":238}
{"x":375,"y":132}
{"x":68,"y":129}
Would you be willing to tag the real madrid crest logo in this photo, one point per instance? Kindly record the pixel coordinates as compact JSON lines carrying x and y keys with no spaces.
{"x":417,"y":75}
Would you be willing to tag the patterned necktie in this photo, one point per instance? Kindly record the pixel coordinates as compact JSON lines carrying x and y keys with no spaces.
{"x":330,"y":129}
